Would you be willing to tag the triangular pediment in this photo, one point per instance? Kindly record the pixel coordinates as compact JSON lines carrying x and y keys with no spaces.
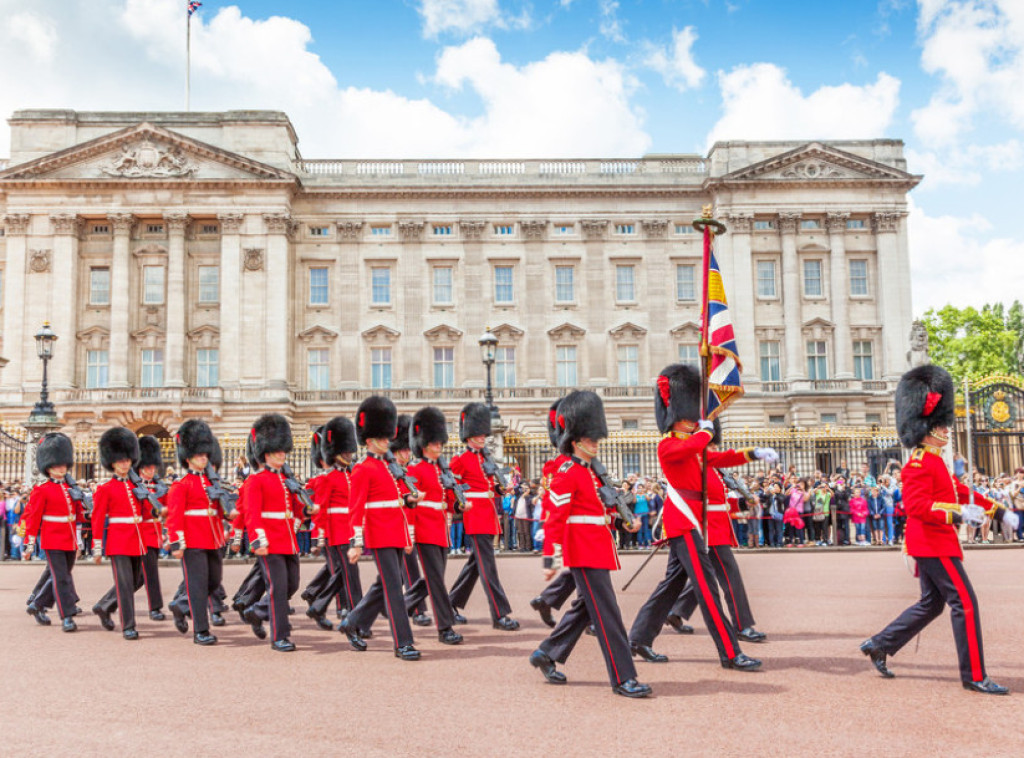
{"x":93,"y":332}
{"x":140,"y":153}
{"x":817,"y":161}
{"x":148,"y":331}
{"x":686,"y":329}
{"x":206,"y":330}
{"x":508,"y":332}
{"x":381,"y":333}
{"x":442,"y":333}
{"x":567,"y":330}
{"x":627,"y":330}
{"x":317,"y":332}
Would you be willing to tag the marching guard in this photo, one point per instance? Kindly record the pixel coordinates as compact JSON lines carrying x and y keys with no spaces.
{"x":431,"y":519}
{"x":936,"y":505}
{"x":583,"y":539}
{"x":378,"y":505}
{"x":323,"y":575}
{"x":151,"y":469}
{"x":51,"y":517}
{"x":686,"y":435}
{"x":480,"y":520}
{"x":400,"y":449}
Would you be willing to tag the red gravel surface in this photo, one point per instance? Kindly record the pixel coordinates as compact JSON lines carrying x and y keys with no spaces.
{"x":92,"y":693}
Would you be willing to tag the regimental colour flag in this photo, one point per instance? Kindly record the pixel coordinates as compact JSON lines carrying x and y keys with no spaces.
{"x":193,"y":6}
{"x":719,"y":342}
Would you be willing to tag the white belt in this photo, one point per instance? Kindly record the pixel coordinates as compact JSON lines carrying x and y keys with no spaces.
{"x":595,"y":520}
{"x":384,"y":504}
{"x":200,"y":512}
{"x":487,"y":495}
{"x":718,"y":507}
{"x":337,"y":510}
{"x":59,"y":519}
{"x":125,"y":520}
{"x":276,"y":515}
{"x":433,"y":504}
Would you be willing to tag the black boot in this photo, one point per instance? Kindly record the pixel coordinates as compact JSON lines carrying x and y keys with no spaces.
{"x":180,"y":622}
{"x":250,"y":617}
{"x":541,"y":660}
{"x":506,"y":624}
{"x":742,"y":662}
{"x":871,"y":649}
{"x":647,"y":653}
{"x":407,"y":653}
{"x":68,"y":625}
{"x":357,"y":642}
{"x":157,"y":615}
{"x":105,"y":621}
{"x":987,"y":686}
{"x":283,"y":646}
{"x":676,"y":622}
{"x":544,"y":610}
{"x":449,"y":636}
{"x":632,"y":688}
{"x":750,"y":634}
{"x":204,"y":638}
{"x":320,"y":620}
{"x":38,"y":613}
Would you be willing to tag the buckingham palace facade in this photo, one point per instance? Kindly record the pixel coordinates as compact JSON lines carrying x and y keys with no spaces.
{"x":196,"y":264}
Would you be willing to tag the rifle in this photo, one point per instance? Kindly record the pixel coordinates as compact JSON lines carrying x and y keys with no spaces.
{"x":610,"y":495}
{"x":77,"y":494}
{"x":301,"y":493}
{"x":217,"y":492}
{"x":491,"y":468}
{"x":449,"y":482}
{"x":398,"y":471}
{"x":142,"y":493}
{"x":738,"y":485}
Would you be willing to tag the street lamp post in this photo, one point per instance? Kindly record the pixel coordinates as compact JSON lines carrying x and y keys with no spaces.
{"x":488,"y":347}
{"x":43,"y":418}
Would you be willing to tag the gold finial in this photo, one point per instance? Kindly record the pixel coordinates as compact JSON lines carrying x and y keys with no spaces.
{"x":705,"y":211}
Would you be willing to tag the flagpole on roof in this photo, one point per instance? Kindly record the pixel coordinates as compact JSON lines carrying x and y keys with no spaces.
{"x":188,"y":57}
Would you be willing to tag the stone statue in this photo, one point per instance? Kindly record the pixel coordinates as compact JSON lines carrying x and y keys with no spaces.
{"x":918,"y":353}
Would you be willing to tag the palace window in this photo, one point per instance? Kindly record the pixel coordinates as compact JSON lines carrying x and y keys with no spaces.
{"x":625,"y":284}
{"x":565,"y":365}
{"x":766,"y":279}
{"x":380,"y":286}
{"x":152,"y":368}
{"x":771,"y":368}
{"x":99,"y":286}
{"x":505,"y":367}
{"x":209,"y":229}
{"x":625,"y":229}
{"x":565,"y":230}
{"x":444,"y":367}
{"x":863,"y":360}
{"x":629,"y":365}
{"x":810,"y":224}
{"x":380,"y":231}
{"x":209,"y":284}
{"x":858,"y":276}
{"x":154,"y":228}
{"x":319,"y":231}
{"x":443,"y":285}
{"x":380,"y":368}
{"x":686,"y":289}
{"x":690,"y":355}
{"x":817,"y":360}
{"x":763,"y":225}
{"x":319,"y":286}
{"x":504,"y":230}
{"x":97,"y":369}
{"x":565,"y":291}
{"x":684,"y":229}
{"x":855,"y":223}
{"x":318,"y":369}
{"x":442,"y":230}
{"x":812,"y":278}
{"x":503,"y":287}
{"x":207,"y":367}
{"x":153,"y":285}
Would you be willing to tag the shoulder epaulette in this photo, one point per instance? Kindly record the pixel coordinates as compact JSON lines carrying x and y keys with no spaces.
{"x":565,"y":467}
{"x":916,"y":457}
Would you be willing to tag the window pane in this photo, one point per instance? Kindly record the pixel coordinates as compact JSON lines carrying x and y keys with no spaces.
{"x":319,"y":373}
{"x":770,"y":366}
{"x":858,"y":277}
{"x":318,"y":286}
{"x":624,"y":284}
{"x":443,"y":280}
{"x":503,"y":291}
{"x":505,"y":367}
{"x":380,"y":368}
{"x":812,"y":278}
{"x":817,"y":361}
{"x":153,"y":285}
{"x":380,"y":286}
{"x":629,"y":367}
{"x":564,"y":289}
{"x":444,"y":367}
{"x":152,"y":368}
{"x":97,"y":362}
{"x":209,"y":284}
{"x":766,"y":279}
{"x":690,"y":355}
{"x":565,"y":362}
{"x":863,"y":361}
{"x":99,"y":286}
{"x":685,"y":288}
{"x":207,"y":368}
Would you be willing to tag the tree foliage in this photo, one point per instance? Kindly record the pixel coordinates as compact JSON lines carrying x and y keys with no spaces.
{"x":975,"y":343}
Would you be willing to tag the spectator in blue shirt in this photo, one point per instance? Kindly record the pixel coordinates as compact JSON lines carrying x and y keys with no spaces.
{"x":876,"y":513}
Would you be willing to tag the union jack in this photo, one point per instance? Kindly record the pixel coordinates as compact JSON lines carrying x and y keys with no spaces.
{"x":719,"y":341}
{"x":193,"y":6}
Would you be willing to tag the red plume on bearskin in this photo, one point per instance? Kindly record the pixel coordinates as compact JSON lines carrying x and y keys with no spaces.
{"x":150,"y":454}
{"x":553,"y":425}
{"x":401,"y":440}
{"x":584,"y":417}
{"x":428,"y":425}
{"x":338,"y":438}
{"x":315,"y":456}
{"x":925,"y":399}
{"x":678,"y":396}
{"x":378,"y":419}
{"x":475,"y":421}
{"x":54,"y":449}
{"x":271,"y":434}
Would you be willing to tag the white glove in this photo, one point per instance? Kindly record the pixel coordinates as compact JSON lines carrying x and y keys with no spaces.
{"x":706,"y":426}
{"x":1011,"y":519}
{"x":766,"y":454}
{"x":539,"y":536}
{"x":556,"y":559}
{"x":973,"y":515}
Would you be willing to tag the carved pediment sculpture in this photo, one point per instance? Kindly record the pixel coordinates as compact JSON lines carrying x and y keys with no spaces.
{"x":253,"y":260}
{"x":148,"y":160}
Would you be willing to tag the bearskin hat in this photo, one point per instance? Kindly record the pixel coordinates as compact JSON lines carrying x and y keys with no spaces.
{"x":925,"y":399}
{"x":315,"y":456}
{"x":118,"y":444}
{"x":677,"y":397}
{"x":474,"y":420}
{"x":249,"y":457}
{"x":338,"y":438}
{"x":716,"y":438}
{"x":554,"y":424}
{"x":271,"y":434}
{"x":150,"y":454}
{"x":583,"y":414}
{"x":216,"y":455}
{"x":55,"y":449}
{"x":194,"y":437}
{"x":401,"y":440}
{"x":376,"y":418}
{"x":428,"y":425}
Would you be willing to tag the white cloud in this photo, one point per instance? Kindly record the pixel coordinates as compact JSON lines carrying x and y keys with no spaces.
{"x":952,"y":262}
{"x":129,"y":55}
{"x":759,"y":102}
{"x":611,"y":26}
{"x":37,"y":33}
{"x":467,"y":16}
{"x":964,"y":167}
{"x":676,"y":66}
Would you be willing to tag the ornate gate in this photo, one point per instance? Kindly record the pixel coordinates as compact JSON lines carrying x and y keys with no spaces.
{"x":996,"y":424}
{"x":12,"y":455}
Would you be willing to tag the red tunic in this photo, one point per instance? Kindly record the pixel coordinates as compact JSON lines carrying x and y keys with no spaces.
{"x":238,"y":517}
{"x":377,"y":505}
{"x":193,"y":520}
{"x":930,"y":496}
{"x":52,"y":514}
{"x":480,"y":517}
{"x":579,"y":521}
{"x":333,"y":493}
{"x":680,"y":455}
{"x":152,"y":527}
{"x":549,"y":470}
{"x":115,"y":499}
{"x":720,"y":518}
{"x":431,"y":514}
{"x":272,"y":514}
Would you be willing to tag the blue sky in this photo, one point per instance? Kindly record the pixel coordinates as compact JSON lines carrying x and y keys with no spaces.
{"x":396,"y":78}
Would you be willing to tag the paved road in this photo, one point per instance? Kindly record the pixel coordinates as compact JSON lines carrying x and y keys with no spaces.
{"x":816,"y":695}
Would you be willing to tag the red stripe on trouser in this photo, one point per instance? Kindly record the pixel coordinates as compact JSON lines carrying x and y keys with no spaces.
{"x":480,"y":568}
{"x":970,"y":620}
{"x":710,"y":601}
{"x":348,"y":578}
{"x":600,"y":621}
{"x":117,"y":594}
{"x":330,"y":567}
{"x":145,"y":578}
{"x":423,"y":569}
{"x":188,"y":597}
{"x":387,"y":600}
{"x":270,"y":588}
{"x":725,"y":575}
{"x":53,"y":581}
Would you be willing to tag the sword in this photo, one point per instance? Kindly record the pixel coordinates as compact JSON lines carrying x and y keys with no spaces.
{"x":657,"y":546}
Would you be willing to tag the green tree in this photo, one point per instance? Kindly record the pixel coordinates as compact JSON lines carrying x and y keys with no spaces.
{"x":972,"y":343}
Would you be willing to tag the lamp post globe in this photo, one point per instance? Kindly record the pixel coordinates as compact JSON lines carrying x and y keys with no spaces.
{"x":43,"y":411}
{"x":488,"y":349}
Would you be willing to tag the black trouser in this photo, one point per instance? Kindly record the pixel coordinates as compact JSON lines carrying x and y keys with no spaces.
{"x":151,"y":578}
{"x":251,"y":588}
{"x":727,"y":572}
{"x":559,"y":590}
{"x":282,"y":576}
{"x":943,"y":582}
{"x":687,"y":559}
{"x":343,"y":582}
{"x":127,"y":578}
{"x":61,"y":587}
{"x":110,"y":601}
{"x":481,"y":564}
{"x":44,"y":579}
{"x":595,"y":600}
{"x":385,"y":594}
{"x":434,"y":559}
{"x":320,"y":579}
{"x":203,"y":570}
{"x":410,"y":576}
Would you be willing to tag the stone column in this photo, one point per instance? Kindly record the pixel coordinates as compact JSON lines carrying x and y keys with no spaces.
{"x":739,"y":227}
{"x":174,"y":349}
{"x":792,"y":298}
{"x":840,"y":285}
{"x":120,"y":303}
{"x":278,"y":335}
{"x":890,"y":289}
{"x":230,"y":297}
{"x":65,"y":228}
{"x":16,"y":228}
